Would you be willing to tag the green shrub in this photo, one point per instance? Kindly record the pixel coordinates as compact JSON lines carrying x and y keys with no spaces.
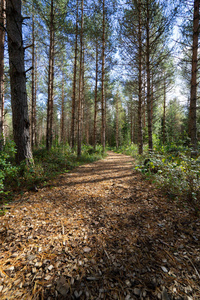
{"x":177,"y":173}
{"x":8,"y":171}
{"x":170,"y":166}
{"x":47,"y":164}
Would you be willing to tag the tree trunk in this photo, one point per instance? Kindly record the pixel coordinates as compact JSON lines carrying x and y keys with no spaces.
{"x":20,"y":119}
{"x":2,"y":41}
{"x":49,"y":137}
{"x":150,"y":141}
{"x":35,"y":90}
{"x":33,"y":106}
{"x":152,"y":95}
{"x":135,"y":136}
{"x":140,"y":134}
{"x":193,"y":93}
{"x":83,"y":104}
{"x":144,"y":101}
{"x":103,"y":121}
{"x":131,"y":116}
{"x":62,"y":119}
{"x":164,"y":114}
{"x":80,"y":98}
{"x":95,"y":98}
{"x":74,"y":85}
{"x":117,"y":121}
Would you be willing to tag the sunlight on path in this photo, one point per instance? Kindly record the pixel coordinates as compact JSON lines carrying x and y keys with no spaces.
{"x":99,"y":232}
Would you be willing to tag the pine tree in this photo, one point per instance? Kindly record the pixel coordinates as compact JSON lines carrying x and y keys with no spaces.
{"x":193,"y":90}
{"x":2,"y":41}
{"x":50,"y":106}
{"x":20,"y":118}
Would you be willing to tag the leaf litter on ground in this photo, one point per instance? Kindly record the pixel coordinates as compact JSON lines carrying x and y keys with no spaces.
{"x":99,"y":232}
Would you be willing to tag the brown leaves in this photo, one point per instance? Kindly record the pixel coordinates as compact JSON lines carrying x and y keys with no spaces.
{"x":102,"y":235}
{"x":62,"y":286}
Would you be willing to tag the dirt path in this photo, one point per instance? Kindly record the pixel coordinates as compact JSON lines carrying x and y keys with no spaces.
{"x":99,"y":232}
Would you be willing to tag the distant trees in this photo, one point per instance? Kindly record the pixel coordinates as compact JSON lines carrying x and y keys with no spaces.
{"x":145,"y":31}
{"x":71,"y":46}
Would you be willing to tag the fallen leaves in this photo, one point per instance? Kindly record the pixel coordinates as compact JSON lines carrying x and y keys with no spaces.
{"x":101,"y":232}
{"x":87,"y":249}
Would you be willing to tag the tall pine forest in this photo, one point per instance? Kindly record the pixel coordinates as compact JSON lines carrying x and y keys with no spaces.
{"x":99,"y":150}
{"x":80,"y":77}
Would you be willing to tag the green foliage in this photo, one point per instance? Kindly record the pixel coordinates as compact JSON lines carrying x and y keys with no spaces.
{"x":174,"y":171}
{"x":130,"y":149}
{"x":8,"y":171}
{"x":170,"y":167}
{"x":60,"y":159}
{"x":47,"y":164}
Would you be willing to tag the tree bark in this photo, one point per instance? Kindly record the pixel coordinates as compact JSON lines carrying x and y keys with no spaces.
{"x":150,"y":141}
{"x":33,"y":104}
{"x":193,"y":92}
{"x":62,"y":119}
{"x":80,"y":98}
{"x":20,"y":119}
{"x":164,"y":114}
{"x":35,"y":90}
{"x":140,"y":134}
{"x":74,"y":85}
{"x":2,"y":41}
{"x":117,"y":121}
{"x":152,"y":95}
{"x":103,"y":121}
{"x":49,"y":136}
{"x":84,"y":106}
{"x":131,"y":120}
{"x":95,"y":98}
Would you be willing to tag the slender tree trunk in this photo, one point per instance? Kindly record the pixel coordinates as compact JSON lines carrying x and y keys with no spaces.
{"x":144,"y":104}
{"x":135,"y":136}
{"x":103,"y":121}
{"x":131,"y":117}
{"x":193,"y":94}
{"x":62,"y":119}
{"x":87,"y":126}
{"x":74,"y":85}
{"x":33,"y":108}
{"x":84,"y":105}
{"x":117,"y":121}
{"x":150,"y":141}
{"x":20,"y":119}
{"x":52,"y":80}
{"x":80,"y":98}
{"x":49,"y":136}
{"x":35,"y":97}
{"x":140,"y":134}
{"x":95,"y":98}
{"x":152,"y":95}
{"x":2,"y":41}
{"x":164,"y":113}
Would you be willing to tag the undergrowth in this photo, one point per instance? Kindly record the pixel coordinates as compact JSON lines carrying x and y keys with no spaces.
{"x":171,"y":168}
{"x":47,"y":164}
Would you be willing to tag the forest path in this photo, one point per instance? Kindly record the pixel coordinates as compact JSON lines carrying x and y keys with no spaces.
{"x":99,"y":232}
